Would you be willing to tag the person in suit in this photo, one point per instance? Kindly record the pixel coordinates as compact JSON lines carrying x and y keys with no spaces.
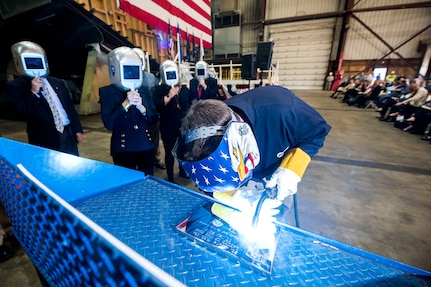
{"x":203,"y":86}
{"x":172,"y":102}
{"x":150,"y":82}
{"x":43,"y":101}
{"x":126,"y":112}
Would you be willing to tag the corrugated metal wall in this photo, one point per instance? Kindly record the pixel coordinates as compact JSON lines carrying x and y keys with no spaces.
{"x":250,"y":11}
{"x":306,"y":49}
{"x":394,"y":26}
{"x":301,"y":49}
{"x":301,"y":52}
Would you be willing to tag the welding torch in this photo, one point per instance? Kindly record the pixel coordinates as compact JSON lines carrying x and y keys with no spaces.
{"x":268,"y":193}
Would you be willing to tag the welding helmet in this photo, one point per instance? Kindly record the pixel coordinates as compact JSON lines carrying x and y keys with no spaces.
{"x":231,"y":165}
{"x":169,"y":73}
{"x":202,"y":70}
{"x":30,"y":59}
{"x":141,"y":55}
{"x":125,"y":68}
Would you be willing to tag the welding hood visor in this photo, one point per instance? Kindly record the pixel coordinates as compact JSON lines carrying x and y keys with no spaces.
{"x":125,"y":68}
{"x":169,"y":73}
{"x":231,"y":165}
{"x":30,"y":59}
{"x":202,"y":70}
{"x":141,"y":55}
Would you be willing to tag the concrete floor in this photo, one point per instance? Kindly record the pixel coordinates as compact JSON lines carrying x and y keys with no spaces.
{"x":368,"y":187}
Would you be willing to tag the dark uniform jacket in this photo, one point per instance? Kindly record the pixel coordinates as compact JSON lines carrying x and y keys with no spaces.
{"x":41,"y":129}
{"x":129,"y":129}
{"x":211,"y":92}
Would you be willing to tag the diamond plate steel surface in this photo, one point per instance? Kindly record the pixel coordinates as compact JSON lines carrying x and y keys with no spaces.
{"x":144,"y":215}
{"x":65,"y":250}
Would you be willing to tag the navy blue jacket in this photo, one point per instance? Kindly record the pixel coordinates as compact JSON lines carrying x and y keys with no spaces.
{"x":129,"y":129}
{"x":280,"y":121}
{"x":41,"y":129}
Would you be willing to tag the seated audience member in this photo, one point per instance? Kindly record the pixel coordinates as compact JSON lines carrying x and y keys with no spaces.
{"x":402,"y":88}
{"x":420,"y":120}
{"x":389,"y":110}
{"x":408,"y":107}
{"x":351,"y":93}
{"x":341,"y":88}
{"x":369,"y":95}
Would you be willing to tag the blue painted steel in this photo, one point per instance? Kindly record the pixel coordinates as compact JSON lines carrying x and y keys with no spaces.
{"x":70,"y":176}
{"x":142,"y":212}
{"x":152,"y":209}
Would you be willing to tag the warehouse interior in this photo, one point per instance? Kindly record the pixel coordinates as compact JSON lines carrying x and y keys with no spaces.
{"x":368,"y":187}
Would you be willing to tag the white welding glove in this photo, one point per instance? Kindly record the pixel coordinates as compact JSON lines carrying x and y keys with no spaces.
{"x":286,"y":182}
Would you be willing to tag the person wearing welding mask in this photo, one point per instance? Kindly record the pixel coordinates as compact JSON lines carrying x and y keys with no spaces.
{"x":203,"y":86}
{"x":44,"y":101}
{"x":172,"y":101}
{"x":126,"y":110}
{"x":265,"y":135}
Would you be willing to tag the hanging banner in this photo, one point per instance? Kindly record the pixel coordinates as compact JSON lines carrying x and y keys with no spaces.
{"x":191,"y":15}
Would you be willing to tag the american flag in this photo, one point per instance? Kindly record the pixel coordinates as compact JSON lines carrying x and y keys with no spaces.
{"x":194,"y":49}
{"x":188,"y":57}
{"x":195,"y":15}
{"x":171,"y":50}
{"x":179,"y":44}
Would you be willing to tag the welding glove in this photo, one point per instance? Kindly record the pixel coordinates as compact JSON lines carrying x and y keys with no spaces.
{"x":287,"y":176}
{"x":286,"y":182}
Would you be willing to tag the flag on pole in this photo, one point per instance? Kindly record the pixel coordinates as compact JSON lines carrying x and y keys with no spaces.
{"x":202,"y":49}
{"x":188,"y":56}
{"x":179,"y":44}
{"x":171,"y":51}
{"x":194,"y":49}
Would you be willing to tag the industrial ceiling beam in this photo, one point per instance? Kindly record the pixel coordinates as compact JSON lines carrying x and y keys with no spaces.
{"x":395,"y":49}
{"x":339,"y":13}
{"x":392,"y":49}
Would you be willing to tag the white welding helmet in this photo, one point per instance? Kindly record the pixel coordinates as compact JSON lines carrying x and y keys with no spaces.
{"x":30,"y":59}
{"x":202,"y":70}
{"x":169,"y":73}
{"x":231,"y":165}
{"x":125,"y":68}
{"x":141,"y":55}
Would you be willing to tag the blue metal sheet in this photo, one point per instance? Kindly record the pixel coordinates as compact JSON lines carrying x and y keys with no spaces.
{"x":144,"y":215}
{"x":70,"y":176}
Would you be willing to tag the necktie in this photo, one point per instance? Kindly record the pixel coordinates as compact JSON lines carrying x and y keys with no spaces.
{"x":57,"y":120}
{"x":200,"y":91}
